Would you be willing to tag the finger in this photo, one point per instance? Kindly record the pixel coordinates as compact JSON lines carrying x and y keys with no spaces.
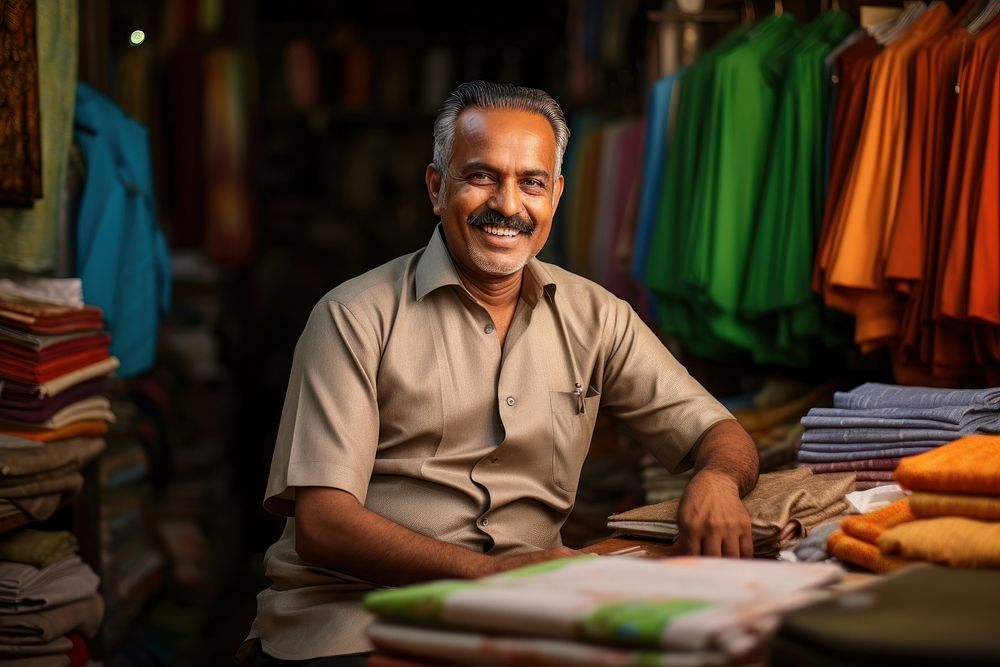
{"x":731,"y":546}
{"x":711,"y":545}
{"x":746,"y":544}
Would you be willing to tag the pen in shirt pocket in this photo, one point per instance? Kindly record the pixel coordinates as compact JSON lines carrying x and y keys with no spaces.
{"x":581,"y":406}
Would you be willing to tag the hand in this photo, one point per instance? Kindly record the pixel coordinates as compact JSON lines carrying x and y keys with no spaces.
{"x":504,"y":563}
{"x":712,"y":519}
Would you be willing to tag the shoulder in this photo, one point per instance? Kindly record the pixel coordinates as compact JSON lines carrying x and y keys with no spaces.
{"x":580,"y":294}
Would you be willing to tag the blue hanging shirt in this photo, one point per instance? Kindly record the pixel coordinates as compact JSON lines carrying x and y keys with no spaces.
{"x":121,"y":255}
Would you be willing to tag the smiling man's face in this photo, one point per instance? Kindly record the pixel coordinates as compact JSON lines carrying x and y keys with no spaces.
{"x":500,"y":192}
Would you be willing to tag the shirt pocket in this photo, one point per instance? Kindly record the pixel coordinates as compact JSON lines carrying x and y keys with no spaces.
{"x":572,"y":429}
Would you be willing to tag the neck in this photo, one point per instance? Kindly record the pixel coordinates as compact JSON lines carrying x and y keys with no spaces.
{"x":498,"y":293}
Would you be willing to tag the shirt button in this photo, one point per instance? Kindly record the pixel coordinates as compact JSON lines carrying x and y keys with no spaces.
{"x":511,"y":401}
{"x":489,"y":328}
{"x":484,"y":522}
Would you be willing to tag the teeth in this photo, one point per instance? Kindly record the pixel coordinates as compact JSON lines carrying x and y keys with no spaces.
{"x":500,"y":231}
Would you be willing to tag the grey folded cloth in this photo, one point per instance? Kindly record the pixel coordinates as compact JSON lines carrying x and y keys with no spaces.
{"x":813,"y":547}
{"x":43,"y":626}
{"x":59,"y":646}
{"x":822,"y":457}
{"x":876,"y":395}
{"x":867,"y":446}
{"x":24,"y":588}
{"x":947,"y":417}
{"x":19,"y":456}
{"x":898,"y":435}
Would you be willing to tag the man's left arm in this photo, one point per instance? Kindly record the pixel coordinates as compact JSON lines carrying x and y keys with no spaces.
{"x":712,"y":518}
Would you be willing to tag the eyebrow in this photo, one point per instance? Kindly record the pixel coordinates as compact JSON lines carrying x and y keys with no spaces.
{"x":482,"y":166}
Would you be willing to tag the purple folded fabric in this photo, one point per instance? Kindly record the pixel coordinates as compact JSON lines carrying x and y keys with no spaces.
{"x":19,"y":404}
{"x":878,"y":435}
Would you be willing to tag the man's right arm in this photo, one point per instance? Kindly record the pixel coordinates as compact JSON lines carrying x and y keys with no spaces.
{"x":333,"y":530}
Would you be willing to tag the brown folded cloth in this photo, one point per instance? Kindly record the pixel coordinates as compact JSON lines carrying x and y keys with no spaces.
{"x":19,"y":456}
{"x":44,"y":626}
{"x":783,"y":508}
{"x":21,"y":127}
{"x":953,"y":541}
{"x":58,"y":646}
{"x":43,"y":485}
{"x":968,"y":465}
{"x":37,"y":508}
{"x":49,"y":319}
{"x":863,"y":554}
{"x":38,"y":661}
{"x":870,"y":526}
{"x":926,"y":505}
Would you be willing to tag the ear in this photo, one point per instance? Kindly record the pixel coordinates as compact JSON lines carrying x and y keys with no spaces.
{"x":433,"y":180}
{"x":557,"y":193}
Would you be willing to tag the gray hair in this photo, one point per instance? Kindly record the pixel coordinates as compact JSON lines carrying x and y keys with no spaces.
{"x":488,"y":95}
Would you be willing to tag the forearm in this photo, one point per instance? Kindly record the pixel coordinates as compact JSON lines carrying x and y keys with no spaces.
{"x":333,"y":530}
{"x":727,"y":450}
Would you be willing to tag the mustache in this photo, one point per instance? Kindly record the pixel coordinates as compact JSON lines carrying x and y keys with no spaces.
{"x":495,"y":218}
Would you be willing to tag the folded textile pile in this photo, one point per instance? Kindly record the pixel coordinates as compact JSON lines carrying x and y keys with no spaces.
{"x":54,"y":362}
{"x":856,"y":542}
{"x":872,"y":428}
{"x":956,"y":502}
{"x":49,"y":599}
{"x":598,"y":611}
{"x":783,"y":508}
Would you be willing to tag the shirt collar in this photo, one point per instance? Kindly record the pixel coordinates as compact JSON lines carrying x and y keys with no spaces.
{"x":436,"y":269}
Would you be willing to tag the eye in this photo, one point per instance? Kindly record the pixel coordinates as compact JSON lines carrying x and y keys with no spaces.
{"x":533,"y":184}
{"x":479,"y":177}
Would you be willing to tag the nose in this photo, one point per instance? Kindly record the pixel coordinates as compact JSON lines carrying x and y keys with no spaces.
{"x":506,"y":200}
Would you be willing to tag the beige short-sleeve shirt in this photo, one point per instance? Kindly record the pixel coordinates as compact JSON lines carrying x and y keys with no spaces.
{"x":401,"y":395}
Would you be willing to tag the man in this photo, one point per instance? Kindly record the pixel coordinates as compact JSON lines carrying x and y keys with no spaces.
{"x":440,"y":407}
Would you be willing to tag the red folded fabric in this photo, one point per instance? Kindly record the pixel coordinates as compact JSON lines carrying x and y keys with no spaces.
{"x":15,"y":369}
{"x":10,"y":349}
{"x":88,"y":428}
{"x":44,"y":319}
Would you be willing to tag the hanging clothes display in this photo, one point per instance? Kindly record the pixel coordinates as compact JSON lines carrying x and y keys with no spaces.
{"x":730,"y":250}
{"x":20,"y":127}
{"x":122,"y":257}
{"x":29,"y":236}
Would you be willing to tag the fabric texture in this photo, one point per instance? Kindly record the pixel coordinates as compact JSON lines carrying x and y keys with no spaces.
{"x":863,"y":554}
{"x":869,"y":527}
{"x":20,"y":123}
{"x":40,"y":627}
{"x":969,"y":465}
{"x":783,"y":508}
{"x":954,"y":541}
{"x":40,"y":548}
{"x":926,"y":505}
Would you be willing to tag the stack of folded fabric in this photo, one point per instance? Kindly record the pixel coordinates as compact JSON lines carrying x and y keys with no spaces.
{"x":784,"y":507}
{"x":53,"y":359}
{"x":956,"y":503}
{"x":598,"y":611}
{"x":873,"y":427}
{"x":48,"y":599}
{"x":37,"y":477}
{"x":856,"y":541}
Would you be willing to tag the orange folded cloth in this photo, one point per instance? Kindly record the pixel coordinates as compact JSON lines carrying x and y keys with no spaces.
{"x":863,"y":554}
{"x":927,"y":505}
{"x":868,"y":527}
{"x":88,"y":428}
{"x":953,"y":541}
{"x":968,"y":465}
